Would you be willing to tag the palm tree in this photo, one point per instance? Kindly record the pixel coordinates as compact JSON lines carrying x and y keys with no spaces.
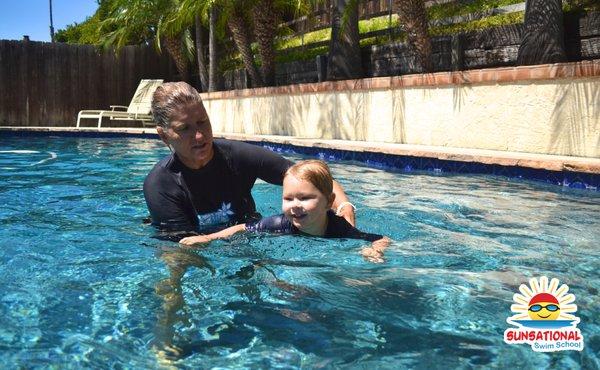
{"x":543,"y":37}
{"x":266,"y":17}
{"x":213,"y":52}
{"x":243,"y":18}
{"x":235,"y":13}
{"x":132,"y":21}
{"x":175,"y":47}
{"x":344,"y":61}
{"x":201,"y":58}
{"x":413,"y":20}
{"x":201,"y":13}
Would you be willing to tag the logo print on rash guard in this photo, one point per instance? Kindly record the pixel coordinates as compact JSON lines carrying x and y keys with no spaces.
{"x":221,"y":216}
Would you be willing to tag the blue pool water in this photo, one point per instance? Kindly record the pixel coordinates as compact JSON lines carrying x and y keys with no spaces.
{"x":84,"y":285}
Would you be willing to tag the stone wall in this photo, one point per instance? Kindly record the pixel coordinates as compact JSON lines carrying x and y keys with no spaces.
{"x":547,"y":109}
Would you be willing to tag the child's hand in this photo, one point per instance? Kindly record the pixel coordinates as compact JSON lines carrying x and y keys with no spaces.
{"x":374,"y":252}
{"x":192,"y":240}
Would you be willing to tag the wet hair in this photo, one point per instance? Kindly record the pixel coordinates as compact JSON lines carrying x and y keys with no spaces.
{"x":170,"y":96}
{"x":314,"y":171}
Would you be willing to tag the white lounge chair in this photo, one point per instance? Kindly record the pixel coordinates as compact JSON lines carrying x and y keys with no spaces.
{"x":138,"y":109}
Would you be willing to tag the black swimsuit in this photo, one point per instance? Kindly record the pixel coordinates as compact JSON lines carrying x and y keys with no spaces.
{"x":215,"y":196}
{"x":337,"y":227}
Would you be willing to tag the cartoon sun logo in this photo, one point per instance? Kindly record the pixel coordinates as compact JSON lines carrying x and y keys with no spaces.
{"x":542,"y":302}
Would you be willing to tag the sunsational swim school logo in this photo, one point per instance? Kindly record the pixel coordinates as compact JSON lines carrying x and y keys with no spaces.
{"x":543,"y":316}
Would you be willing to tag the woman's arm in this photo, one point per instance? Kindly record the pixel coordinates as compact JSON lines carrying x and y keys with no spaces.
{"x":201,"y":239}
{"x":374,"y":252}
{"x":347,"y":211}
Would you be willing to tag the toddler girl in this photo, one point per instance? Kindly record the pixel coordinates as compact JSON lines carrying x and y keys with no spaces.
{"x":306,"y":205}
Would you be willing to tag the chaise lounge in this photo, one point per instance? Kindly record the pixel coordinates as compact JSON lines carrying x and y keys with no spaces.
{"x":138,"y":109}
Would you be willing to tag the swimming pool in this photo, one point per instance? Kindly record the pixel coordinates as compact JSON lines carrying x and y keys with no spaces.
{"x":84,"y":284}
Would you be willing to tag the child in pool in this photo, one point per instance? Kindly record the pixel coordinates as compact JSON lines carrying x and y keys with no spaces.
{"x":307,"y":199}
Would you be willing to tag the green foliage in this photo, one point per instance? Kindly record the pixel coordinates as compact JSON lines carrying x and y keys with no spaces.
{"x":381,"y":23}
{"x":378,"y":23}
{"x":131,"y":22}
{"x":301,"y":54}
{"x":434,"y":12}
{"x":382,"y":40}
{"x":479,"y":24}
{"x":581,"y":6}
{"x":309,"y":38}
{"x":88,"y":31}
{"x":122,"y":22}
{"x":452,"y":9}
{"x":364,"y":26}
{"x":71,"y":34}
{"x":231,"y":62}
{"x":349,"y":7}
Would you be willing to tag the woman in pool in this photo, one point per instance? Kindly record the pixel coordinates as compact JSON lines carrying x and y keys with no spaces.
{"x":306,"y":205}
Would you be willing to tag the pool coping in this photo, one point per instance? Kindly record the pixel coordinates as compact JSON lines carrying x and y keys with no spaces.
{"x":499,"y":75}
{"x":587,"y":165}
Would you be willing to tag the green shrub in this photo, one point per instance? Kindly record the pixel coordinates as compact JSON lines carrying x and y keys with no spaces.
{"x":309,"y":38}
{"x":376,"y":24}
{"x":479,"y":24}
{"x":301,"y":54}
{"x":442,"y":11}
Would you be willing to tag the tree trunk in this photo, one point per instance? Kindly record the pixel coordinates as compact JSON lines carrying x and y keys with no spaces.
{"x":266,"y":19}
{"x":344,"y":60}
{"x":202,"y":72}
{"x":239,"y":30}
{"x":413,"y":21}
{"x":213,"y":57}
{"x":543,"y":37}
{"x":173,"y":45}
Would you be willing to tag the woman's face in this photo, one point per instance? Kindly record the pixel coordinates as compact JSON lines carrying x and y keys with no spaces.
{"x":305,"y":206}
{"x":190,"y":135}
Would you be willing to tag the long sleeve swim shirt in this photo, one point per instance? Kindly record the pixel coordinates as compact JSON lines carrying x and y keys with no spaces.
{"x":337,"y":227}
{"x":212,"y":197}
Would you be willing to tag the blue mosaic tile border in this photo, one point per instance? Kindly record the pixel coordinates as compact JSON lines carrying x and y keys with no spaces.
{"x":407,"y":164}
{"x":388,"y":162}
{"x":98,"y":134}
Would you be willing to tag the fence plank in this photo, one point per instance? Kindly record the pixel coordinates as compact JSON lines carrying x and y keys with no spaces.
{"x":46,"y":84}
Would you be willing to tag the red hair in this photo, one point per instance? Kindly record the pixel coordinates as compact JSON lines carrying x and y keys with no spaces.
{"x":314,"y":171}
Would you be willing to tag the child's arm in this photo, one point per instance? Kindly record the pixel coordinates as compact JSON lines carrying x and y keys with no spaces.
{"x":201,"y":239}
{"x":374,"y":252}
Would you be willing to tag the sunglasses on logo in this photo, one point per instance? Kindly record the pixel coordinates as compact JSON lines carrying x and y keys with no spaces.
{"x":538,"y":307}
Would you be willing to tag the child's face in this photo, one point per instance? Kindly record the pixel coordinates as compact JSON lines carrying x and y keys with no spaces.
{"x":305,"y":205}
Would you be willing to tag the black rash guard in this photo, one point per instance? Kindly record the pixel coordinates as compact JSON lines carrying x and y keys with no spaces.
{"x":337,"y":227}
{"x":215,"y":196}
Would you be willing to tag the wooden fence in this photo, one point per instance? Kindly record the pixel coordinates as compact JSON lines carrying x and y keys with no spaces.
{"x":46,"y":84}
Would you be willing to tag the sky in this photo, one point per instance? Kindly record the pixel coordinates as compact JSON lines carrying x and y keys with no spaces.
{"x":32,"y":17}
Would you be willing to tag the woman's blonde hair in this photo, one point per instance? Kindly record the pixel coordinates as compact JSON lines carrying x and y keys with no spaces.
{"x":170,"y":96}
{"x":314,"y":171}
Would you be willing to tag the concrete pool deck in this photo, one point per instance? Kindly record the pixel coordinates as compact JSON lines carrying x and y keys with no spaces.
{"x":502,"y":158}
